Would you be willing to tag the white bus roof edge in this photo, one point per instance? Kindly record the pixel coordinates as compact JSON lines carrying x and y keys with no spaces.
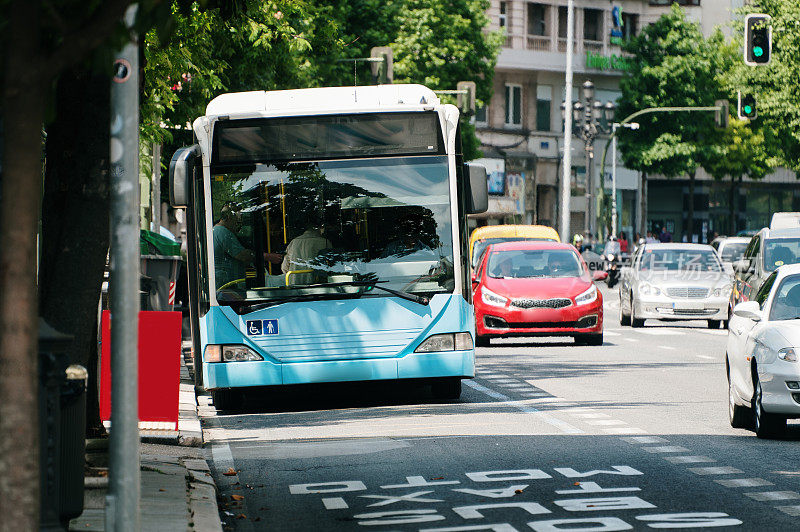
{"x":345,"y":99}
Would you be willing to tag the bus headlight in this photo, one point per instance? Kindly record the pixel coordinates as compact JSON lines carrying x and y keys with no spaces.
{"x":230,"y":353}
{"x":446,"y":342}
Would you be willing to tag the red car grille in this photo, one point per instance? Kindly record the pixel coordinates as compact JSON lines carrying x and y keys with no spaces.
{"x":556,"y":302}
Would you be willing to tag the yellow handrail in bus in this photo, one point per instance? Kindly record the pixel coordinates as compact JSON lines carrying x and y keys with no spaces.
{"x":283,"y":211}
{"x":226,"y":285}
{"x":292,"y":272}
{"x":266,"y":211}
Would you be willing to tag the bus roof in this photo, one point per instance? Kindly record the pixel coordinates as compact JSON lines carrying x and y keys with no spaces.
{"x":328,"y":99}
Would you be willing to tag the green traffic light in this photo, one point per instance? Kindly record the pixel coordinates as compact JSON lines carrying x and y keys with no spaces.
{"x":758,"y":51}
{"x":748,"y":109}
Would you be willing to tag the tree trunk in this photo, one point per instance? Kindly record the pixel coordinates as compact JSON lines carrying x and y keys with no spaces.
{"x":23,"y":111}
{"x":689,"y":230}
{"x":75,"y":230}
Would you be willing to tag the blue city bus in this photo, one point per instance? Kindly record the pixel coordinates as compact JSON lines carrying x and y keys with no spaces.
{"x":327,"y":239}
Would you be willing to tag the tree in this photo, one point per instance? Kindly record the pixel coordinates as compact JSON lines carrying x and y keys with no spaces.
{"x":740,"y":151}
{"x":673,"y":66}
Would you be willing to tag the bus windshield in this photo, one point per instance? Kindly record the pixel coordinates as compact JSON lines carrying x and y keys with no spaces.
{"x":292,"y":230}
{"x":780,"y":251}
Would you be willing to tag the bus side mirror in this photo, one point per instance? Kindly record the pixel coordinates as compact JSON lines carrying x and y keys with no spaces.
{"x":479,"y":189}
{"x":181,"y":168}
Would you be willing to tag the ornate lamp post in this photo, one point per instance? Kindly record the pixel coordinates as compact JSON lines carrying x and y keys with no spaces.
{"x":589,"y":119}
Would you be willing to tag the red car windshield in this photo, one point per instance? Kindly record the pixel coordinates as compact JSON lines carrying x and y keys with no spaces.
{"x":525,"y":263}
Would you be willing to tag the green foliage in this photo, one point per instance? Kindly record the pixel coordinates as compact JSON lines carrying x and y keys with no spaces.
{"x":777,"y":85}
{"x":739,"y":151}
{"x":673,"y":66}
{"x":283,"y":44}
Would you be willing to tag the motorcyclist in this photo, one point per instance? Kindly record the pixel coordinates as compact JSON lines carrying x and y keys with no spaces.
{"x":577,"y":241}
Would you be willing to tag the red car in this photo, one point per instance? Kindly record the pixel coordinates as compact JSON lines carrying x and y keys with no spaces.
{"x":536,"y":289}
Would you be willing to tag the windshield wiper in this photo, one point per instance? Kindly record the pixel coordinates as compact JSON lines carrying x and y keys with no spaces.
{"x":422,"y":300}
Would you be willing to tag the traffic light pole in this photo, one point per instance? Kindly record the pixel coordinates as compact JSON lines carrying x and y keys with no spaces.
{"x":649,"y":110}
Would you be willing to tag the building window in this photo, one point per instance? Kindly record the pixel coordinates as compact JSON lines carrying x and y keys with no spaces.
{"x":544,"y":99}
{"x":562,"y":22}
{"x":537,"y":20}
{"x":480,"y":116}
{"x":592,"y":25}
{"x":513,"y":105}
{"x":503,"y":14}
{"x":630,"y":26}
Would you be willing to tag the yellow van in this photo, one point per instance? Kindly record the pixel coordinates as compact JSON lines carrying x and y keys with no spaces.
{"x":493,"y":234}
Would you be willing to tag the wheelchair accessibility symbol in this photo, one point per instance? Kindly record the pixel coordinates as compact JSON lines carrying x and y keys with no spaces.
{"x":262,"y":327}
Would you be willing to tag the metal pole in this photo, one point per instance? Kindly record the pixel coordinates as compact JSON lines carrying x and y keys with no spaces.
{"x":155,"y":214}
{"x":587,"y":227}
{"x":122,"y":502}
{"x":567,"y":162}
{"x":614,"y":179}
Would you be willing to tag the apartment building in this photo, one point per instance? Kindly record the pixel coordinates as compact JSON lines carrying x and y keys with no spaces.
{"x":521,"y":129}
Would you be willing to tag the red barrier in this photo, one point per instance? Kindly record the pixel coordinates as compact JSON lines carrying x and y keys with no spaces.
{"x":159,"y":366}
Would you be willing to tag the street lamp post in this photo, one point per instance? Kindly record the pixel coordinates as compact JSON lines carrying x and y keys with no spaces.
{"x":588,"y":120}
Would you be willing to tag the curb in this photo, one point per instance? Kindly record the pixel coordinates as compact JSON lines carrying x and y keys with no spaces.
{"x":202,"y":497}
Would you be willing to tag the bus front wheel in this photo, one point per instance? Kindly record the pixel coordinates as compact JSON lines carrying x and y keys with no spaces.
{"x":226,"y":399}
{"x":447,"y":388}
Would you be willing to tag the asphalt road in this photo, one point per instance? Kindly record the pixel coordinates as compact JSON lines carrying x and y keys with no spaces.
{"x":548,"y":436}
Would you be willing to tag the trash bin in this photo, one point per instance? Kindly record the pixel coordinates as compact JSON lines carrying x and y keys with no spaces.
{"x":62,"y":429}
{"x":160,"y":262}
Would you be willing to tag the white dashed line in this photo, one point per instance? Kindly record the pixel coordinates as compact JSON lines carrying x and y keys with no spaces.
{"x":706,"y":357}
{"x":605,"y":422}
{"x":689,"y":459}
{"x":563,"y":426}
{"x":589,"y":415}
{"x":624,"y":430}
{"x":743,"y":482}
{"x":666,"y":449}
{"x":668,"y":347}
{"x":721,"y":470}
{"x":644,"y":439}
{"x":790,"y":510}
{"x":334,"y":503}
{"x":765,"y":496}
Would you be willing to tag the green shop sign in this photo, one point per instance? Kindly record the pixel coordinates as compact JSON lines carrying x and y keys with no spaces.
{"x":612,"y":62}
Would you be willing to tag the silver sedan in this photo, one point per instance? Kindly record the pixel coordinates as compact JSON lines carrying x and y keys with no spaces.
{"x":674,"y":282}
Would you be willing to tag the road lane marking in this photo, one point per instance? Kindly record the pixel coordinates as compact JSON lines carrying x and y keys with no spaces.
{"x":589,"y":414}
{"x":563,"y":426}
{"x":334,"y":503}
{"x":611,"y":333}
{"x":666,"y":449}
{"x":765,"y":496}
{"x":743,"y":482}
{"x":624,"y":430}
{"x":630,"y":339}
{"x":689,"y":459}
{"x":659,"y":332}
{"x":721,"y":470}
{"x":644,"y":439}
{"x":790,"y":510}
{"x":604,"y":422}
{"x":668,"y":347}
{"x":706,"y":357}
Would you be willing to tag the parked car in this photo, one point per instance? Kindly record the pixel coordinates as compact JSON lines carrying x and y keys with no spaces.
{"x":730,"y":248}
{"x":762,"y":356}
{"x":674,"y":282}
{"x":494,"y":234}
{"x":537,"y":289}
{"x":768,"y":250}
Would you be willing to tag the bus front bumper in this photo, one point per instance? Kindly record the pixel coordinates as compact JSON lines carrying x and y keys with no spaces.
{"x":267,"y":373}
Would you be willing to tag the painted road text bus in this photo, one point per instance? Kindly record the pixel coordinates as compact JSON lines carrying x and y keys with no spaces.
{"x":327,"y":239}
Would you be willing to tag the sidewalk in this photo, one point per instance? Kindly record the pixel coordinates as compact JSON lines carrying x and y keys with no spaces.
{"x":177,"y":490}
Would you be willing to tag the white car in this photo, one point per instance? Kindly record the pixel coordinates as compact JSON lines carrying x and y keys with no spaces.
{"x":762,"y":357}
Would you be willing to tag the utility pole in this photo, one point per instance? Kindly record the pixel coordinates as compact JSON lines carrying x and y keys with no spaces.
{"x":566,"y":175}
{"x":122,"y":501}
